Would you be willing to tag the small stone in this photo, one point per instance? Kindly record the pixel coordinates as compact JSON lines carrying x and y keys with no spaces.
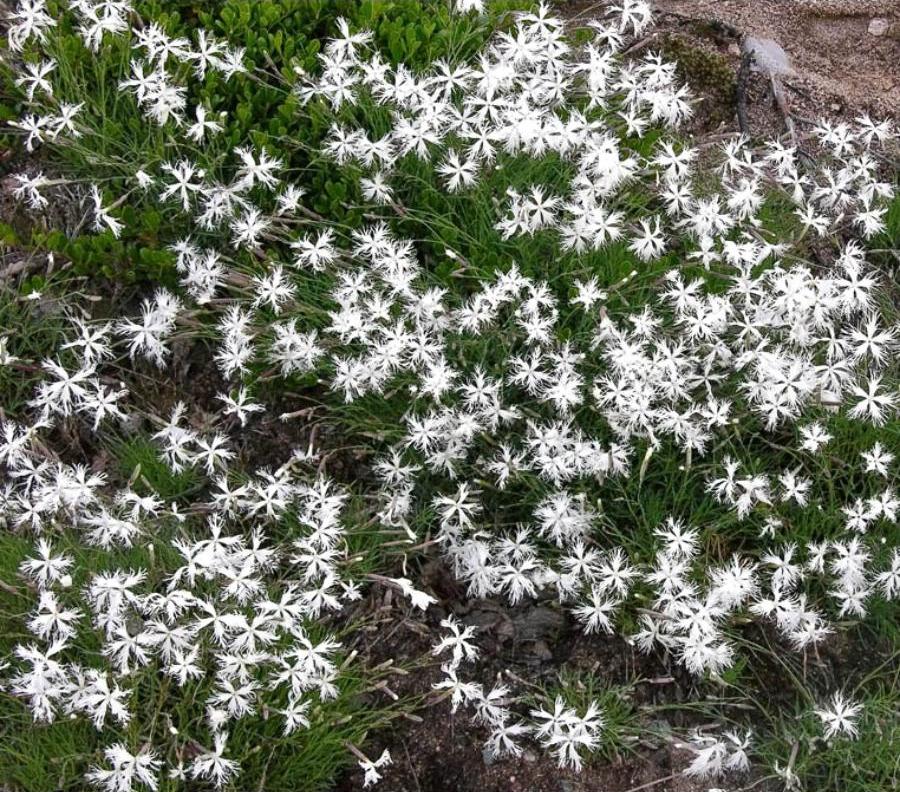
{"x":734,"y":49}
{"x":529,"y":756}
{"x":769,"y":56}
{"x":830,"y":400}
{"x":835,"y":106}
{"x":488,"y":756}
{"x":541,"y":652}
{"x":539,"y":623}
{"x":132,"y":424}
{"x":878,"y":27}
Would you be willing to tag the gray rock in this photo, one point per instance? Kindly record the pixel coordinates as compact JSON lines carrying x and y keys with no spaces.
{"x":878,"y":27}
{"x":539,"y":623}
{"x":541,"y":651}
{"x":768,"y":56}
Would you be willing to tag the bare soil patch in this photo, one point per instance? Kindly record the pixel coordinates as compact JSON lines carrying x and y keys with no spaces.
{"x":845,"y":53}
{"x":529,"y":644}
{"x":844,"y":56}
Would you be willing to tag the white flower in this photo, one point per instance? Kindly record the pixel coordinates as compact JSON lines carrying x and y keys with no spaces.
{"x":839,"y":716}
{"x":212,"y":765}
{"x":102,"y":217}
{"x":459,"y":174}
{"x":370,"y":768}
{"x":127,"y":770}
{"x":198,"y":130}
{"x":457,"y":641}
{"x":418,"y":598}
{"x":814,"y":437}
{"x":878,"y":460}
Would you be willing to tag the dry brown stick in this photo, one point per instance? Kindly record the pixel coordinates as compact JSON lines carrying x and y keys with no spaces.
{"x":587,"y":12}
{"x":741,"y":92}
{"x":654,"y":783}
{"x":716,"y":25}
{"x":782,"y":105}
{"x":25,"y":265}
{"x":798,"y":89}
{"x":640,"y":44}
{"x":4,"y":586}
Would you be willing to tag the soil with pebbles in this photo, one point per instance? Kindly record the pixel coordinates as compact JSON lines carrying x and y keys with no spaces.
{"x":844,"y":57}
{"x":525,"y":645}
{"x":845,"y":54}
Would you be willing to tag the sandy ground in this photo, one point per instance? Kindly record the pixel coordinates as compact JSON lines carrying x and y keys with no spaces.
{"x":845,"y":54}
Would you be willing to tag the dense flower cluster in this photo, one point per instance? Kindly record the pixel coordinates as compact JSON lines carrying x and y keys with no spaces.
{"x":770,"y":337}
{"x":504,"y":453}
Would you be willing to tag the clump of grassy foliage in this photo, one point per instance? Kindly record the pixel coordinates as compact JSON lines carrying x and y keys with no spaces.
{"x":408,"y":265}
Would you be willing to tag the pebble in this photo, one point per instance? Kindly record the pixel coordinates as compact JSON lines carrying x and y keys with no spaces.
{"x":541,"y":651}
{"x":769,"y":56}
{"x":878,"y":27}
